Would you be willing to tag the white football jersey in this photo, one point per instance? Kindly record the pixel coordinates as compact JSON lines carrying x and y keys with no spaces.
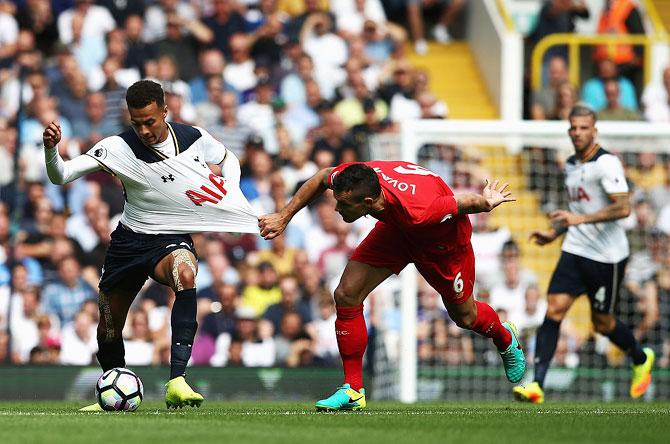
{"x":175,"y":191}
{"x":589,"y":185}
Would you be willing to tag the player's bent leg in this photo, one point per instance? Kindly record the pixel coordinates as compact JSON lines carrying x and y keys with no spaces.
{"x":357,"y":281}
{"x":482,"y":319}
{"x":178,"y":270}
{"x":545,"y":347}
{"x":620,"y":335}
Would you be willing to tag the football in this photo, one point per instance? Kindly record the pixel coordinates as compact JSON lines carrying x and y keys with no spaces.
{"x":119,"y":389}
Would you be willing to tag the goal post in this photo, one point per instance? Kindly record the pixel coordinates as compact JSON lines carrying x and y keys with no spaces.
{"x":500,"y":144}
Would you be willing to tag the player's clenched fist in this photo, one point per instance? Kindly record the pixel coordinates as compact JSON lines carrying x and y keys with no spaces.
{"x":271,"y":225}
{"x":51,"y":135}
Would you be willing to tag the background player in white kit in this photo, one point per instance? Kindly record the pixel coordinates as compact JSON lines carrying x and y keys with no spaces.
{"x":170,"y":192}
{"x":594,"y":254}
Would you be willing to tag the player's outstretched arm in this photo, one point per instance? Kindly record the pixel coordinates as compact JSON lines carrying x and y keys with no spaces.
{"x":61,"y":172}
{"x":272,"y":225}
{"x":492,"y":195}
{"x":618,"y":209}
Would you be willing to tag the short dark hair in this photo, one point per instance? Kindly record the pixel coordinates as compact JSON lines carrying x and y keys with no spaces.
{"x":360,"y":180}
{"x":143,"y":92}
{"x":582,"y":111}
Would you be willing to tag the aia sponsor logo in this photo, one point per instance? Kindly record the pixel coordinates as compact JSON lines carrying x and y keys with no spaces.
{"x":208,"y":194}
{"x":577,"y":194}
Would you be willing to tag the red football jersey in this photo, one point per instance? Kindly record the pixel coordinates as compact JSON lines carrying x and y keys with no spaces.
{"x":421,"y":205}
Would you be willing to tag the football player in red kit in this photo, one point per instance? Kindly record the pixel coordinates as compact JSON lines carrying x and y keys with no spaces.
{"x":420,"y":220}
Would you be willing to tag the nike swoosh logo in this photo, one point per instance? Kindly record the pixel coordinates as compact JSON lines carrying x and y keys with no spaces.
{"x":354,"y":400}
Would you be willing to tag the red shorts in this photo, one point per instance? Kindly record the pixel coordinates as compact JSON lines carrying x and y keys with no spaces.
{"x":451,"y":274}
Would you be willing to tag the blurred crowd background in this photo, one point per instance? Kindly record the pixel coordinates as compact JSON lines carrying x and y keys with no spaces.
{"x":290,"y":86}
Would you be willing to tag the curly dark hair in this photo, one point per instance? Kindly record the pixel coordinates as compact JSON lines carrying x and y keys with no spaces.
{"x":143,"y":92}
{"x":360,"y":180}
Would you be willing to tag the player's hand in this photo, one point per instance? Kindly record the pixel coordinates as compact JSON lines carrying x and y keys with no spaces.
{"x":271,"y":225}
{"x":496,"y":194}
{"x":562,"y":218}
{"x":542,"y":237}
{"x":51,"y":135}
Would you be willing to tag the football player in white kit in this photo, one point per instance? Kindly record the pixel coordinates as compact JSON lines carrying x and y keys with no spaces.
{"x":593,"y":257}
{"x":170,"y":192}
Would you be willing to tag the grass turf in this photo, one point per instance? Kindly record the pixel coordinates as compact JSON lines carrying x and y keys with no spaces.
{"x":390,"y":423}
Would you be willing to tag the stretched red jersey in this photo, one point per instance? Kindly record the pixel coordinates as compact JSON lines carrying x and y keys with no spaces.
{"x":421,"y":205}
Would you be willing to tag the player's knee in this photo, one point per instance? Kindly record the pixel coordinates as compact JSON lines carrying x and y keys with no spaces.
{"x":556,"y":311}
{"x":603,"y":324}
{"x":345,"y":298}
{"x":186,"y":276}
{"x":466,"y":320}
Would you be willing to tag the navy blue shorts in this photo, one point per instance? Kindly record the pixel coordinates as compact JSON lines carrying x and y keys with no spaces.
{"x":576,"y":275}
{"x":132,"y":257}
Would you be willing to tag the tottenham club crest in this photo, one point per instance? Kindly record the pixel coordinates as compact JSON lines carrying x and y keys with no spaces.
{"x":100,"y":153}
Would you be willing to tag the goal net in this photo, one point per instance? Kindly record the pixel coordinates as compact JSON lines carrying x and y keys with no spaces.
{"x":417,"y":353}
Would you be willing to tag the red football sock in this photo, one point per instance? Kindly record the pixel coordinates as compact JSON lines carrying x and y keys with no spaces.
{"x":352,"y":338}
{"x":488,"y":324}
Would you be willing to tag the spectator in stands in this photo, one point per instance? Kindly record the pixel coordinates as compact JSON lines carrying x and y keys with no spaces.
{"x":96,"y":125}
{"x":327,"y":49}
{"x":593,"y":90}
{"x":293,"y":87}
{"x":64,"y":296}
{"x":97,"y":21}
{"x":557,"y":16}
{"x":23,"y":322}
{"x":208,"y":112}
{"x":224,"y":319}
{"x":566,"y":98}
{"x":139,"y":52}
{"x":258,"y":346}
{"x":621,"y":17}
{"x":656,"y":99}
{"x":38,"y":16}
{"x":532,"y":314}
{"x":325,"y":341}
{"x":614,"y":110}
{"x":291,"y":340}
{"x":544,"y":100}
{"x":258,"y":114}
{"x":350,"y":109}
{"x":121,"y":10}
{"x":509,"y":294}
{"x":258,"y":297}
{"x":211,"y":64}
{"x":258,"y":182}
{"x":447,"y":13}
{"x":640,"y":223}
{"x":225,"y":22}
{"x":156,"y":17}
{"x":281,"y":256}
{"x":240,"y":68}
{"x":229,"y":130}
{"x":78,"y":344}
{"x":647,"y":171}
{"x":138,"y":345}
{"x":660,"y":194}
{"x":291,"y":302}
{"x":90,"y":50}
{"x":181,"y":42}
{"x":487,"y":243}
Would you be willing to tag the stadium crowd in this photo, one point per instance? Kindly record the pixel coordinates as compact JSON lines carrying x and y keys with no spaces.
{"x":290,"y":86}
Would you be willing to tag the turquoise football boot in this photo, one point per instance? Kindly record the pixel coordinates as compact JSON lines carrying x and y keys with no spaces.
{"x":345,"y":398}
{"x":513,"y":358}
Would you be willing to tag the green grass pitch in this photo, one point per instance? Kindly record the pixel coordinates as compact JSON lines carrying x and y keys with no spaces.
{"x":388,"y":423}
